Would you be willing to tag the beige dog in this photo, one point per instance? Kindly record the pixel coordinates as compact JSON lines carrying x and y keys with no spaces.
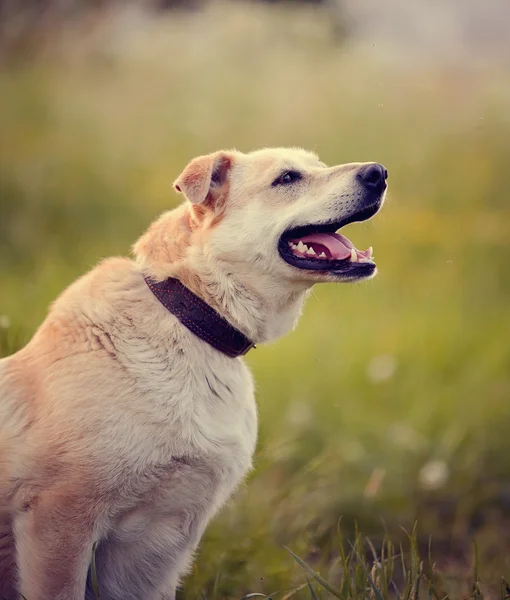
{"x":129,"y":418}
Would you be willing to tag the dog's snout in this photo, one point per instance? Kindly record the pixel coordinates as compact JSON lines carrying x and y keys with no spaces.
{"x":373,"y":176}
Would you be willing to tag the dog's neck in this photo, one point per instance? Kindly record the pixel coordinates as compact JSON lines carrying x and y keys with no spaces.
{"x":257,"y":304}
{"x":262,"y":312}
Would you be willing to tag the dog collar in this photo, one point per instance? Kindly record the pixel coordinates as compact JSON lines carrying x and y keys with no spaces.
{"x":199,"y":317}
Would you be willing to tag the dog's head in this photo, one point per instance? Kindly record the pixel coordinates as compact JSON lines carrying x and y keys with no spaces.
{"x":272,"y":213}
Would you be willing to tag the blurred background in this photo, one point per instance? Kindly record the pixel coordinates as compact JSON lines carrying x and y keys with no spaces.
{"x":390,"y":403}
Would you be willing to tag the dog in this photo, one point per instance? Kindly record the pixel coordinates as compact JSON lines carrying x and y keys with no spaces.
{"x":129,"y":418}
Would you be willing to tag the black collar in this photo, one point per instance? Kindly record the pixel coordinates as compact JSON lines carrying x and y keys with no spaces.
{"x":199,"y":317}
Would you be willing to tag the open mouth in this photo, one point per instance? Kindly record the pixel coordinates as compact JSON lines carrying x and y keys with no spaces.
{"x":318,"y":247}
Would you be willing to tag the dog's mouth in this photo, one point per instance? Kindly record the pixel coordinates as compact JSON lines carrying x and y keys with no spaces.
{"x":318,"y":247}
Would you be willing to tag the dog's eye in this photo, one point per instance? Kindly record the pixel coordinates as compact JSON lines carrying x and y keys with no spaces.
{"x":287,"y":177}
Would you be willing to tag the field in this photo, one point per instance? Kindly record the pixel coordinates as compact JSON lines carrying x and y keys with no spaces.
{"x":390,"y":402}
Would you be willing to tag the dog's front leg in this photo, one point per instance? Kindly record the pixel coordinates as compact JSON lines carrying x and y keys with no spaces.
{"x":54,"y":537}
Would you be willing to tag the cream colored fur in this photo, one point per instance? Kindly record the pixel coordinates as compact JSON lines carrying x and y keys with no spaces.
{"x":117,"y":424}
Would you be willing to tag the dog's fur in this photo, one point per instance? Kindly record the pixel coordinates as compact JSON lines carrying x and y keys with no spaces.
{"x":117,"y":424}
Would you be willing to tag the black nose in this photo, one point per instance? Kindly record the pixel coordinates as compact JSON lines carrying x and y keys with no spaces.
{"x":373,"y":177}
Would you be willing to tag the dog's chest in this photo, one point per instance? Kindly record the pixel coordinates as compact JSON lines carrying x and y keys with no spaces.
{"x":191,"y":402}
{"x":195,"y":440}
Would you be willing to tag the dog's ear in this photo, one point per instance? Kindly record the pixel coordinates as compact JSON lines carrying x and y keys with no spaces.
{"x":205,"y":177}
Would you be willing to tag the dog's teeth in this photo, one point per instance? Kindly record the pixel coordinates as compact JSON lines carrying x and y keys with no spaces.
{"x":322,"y":255}
{"x":310,"y":251}
{"x":370,"y":252}
{"x":301,"y":247}
{"x":354,"y":256}
{"x":363,"y":260}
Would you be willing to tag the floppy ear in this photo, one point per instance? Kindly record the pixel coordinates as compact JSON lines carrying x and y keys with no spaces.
{"x":204,"y":177}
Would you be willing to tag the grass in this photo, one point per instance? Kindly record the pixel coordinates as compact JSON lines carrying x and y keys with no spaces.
{"x":388,"y":405}
{"x":356,"y":570}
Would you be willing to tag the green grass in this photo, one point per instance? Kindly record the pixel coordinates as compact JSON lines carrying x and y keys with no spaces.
{"x":356,"y":570}
{"x":389,"y":404}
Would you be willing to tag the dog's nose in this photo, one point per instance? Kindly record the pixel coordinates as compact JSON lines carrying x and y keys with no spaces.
{"x":373,"y":177}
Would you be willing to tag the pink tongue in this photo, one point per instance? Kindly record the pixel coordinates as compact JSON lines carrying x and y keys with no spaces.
{"x":338,"y":245}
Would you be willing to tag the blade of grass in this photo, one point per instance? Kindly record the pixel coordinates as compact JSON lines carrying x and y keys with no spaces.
{"x":359,"y":571}
{"x":432,"y":573}
{"x":395,"y":588}
{"x":417,"y":582}
{"x":312,"y":592}
{"x":372,"y":549}
{"x":216,"y":581}
{"x":315,"y":575}
{"x":403,"y":562}
{"x":347,"y":581}
{"x":294,"y":591}
{"x":376,"y":591}
{"x":415,"y":558}
{"x":389,"y":562}
{"x":477,"y":592}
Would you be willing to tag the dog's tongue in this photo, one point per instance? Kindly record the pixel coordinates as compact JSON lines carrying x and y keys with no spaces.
{"x":339,"y":246}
